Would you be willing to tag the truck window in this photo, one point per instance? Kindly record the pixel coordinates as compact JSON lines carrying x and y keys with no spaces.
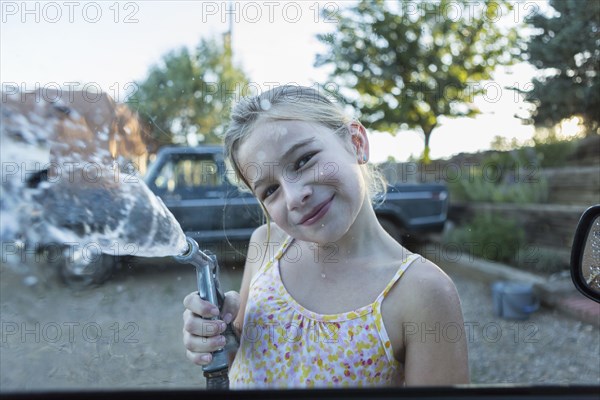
{"x":188,"y":173}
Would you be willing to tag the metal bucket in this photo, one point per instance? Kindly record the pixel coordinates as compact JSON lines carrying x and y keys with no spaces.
{"x":514,"y":300}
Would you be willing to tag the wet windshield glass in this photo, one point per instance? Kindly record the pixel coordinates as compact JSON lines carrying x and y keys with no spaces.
{"x":105,"y":106}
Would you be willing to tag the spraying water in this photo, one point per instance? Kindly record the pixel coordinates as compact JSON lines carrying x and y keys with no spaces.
{"x":105,"y":212}
{"x":61,"y":183}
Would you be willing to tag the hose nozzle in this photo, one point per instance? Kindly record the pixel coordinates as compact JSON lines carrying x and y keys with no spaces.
{"x":207,"y":274}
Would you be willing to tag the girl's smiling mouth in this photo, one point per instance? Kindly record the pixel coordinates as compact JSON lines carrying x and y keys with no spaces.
{"x":316,"y":213}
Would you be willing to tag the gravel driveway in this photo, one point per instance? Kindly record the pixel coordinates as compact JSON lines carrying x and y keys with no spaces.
{"x":127,"y":334}
{"x":548,"y":348}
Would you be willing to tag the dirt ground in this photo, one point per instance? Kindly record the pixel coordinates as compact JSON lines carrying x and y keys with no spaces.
{"x":124,"y":334}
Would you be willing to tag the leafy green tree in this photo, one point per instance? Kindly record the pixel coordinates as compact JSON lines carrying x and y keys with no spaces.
{"x":566,"y":47}
{"x":409,"y":63}
{"x":186,"y":98}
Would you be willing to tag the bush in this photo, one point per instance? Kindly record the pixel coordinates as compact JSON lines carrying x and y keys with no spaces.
{"x":489,"y":236}
{"x":513,"y":176}
{"x":542,"y":260}
{"x":492,"y":182}
{"x":552,"y":151}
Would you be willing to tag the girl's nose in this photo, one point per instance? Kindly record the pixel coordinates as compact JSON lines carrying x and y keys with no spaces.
{"x":297,"y":194}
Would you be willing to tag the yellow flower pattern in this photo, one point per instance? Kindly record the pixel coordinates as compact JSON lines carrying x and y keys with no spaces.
{"x":284,"y":345}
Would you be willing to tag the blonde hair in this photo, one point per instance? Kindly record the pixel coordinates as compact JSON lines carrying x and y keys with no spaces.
{"x":293,"y":103}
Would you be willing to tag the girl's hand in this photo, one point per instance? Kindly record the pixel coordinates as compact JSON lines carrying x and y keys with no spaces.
{"x":201,"y":335}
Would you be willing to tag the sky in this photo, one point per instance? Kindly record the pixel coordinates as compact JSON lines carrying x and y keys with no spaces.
{"x":111,"y":44}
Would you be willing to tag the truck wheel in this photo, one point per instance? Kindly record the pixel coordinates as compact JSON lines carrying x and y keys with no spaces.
{"x":392,"y":230}
{"x":78,"y":272}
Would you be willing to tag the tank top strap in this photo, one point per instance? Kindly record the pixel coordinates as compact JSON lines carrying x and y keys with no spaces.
{"x":283,"y":248}
{"x":403,"y":267}
{"x":265,"y":268}
{"x":275,"y":258}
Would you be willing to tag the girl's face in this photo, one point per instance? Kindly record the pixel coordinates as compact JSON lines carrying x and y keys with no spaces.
{"x":307,"y":177}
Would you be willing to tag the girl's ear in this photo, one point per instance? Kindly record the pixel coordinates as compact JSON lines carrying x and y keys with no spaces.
{"x":360,"y":141}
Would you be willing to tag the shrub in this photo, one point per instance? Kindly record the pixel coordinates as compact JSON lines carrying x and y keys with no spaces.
{"x":542,"y":260}
{"x":553,"y":150}
{"x":483,"y":184}
{"x":490,"y":236}
{"x":514,"y":176}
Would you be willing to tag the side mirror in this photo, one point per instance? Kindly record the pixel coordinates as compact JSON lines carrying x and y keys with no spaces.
{"x":585,"y":254}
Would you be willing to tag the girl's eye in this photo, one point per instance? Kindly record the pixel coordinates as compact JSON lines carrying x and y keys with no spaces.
{"x":304,"y":160}
{"x":269,"y":191}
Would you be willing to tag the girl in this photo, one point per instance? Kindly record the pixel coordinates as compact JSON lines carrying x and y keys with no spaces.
{"x":338,"y":301}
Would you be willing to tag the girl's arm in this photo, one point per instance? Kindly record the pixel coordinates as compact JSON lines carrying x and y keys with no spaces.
{"x":437,"y":353}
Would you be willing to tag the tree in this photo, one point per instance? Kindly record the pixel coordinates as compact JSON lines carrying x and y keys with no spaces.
{"x":567,"y":48}
{"x":186,"y":98}
{"x":411,"y":65}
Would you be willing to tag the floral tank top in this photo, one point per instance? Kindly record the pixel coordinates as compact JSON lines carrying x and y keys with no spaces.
{"x":284,"y":345}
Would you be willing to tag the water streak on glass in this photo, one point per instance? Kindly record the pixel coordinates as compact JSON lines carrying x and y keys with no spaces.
{"x":61,"y":184}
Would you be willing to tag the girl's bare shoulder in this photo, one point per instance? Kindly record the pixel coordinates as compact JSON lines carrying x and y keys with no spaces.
{"x":266,"y":239}
{"x":427,"y":292}
{"x":268,"y":235}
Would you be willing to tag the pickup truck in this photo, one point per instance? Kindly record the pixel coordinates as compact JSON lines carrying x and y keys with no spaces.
{"x":197,"y":186}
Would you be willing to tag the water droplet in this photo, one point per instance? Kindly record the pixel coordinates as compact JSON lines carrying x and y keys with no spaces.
{"x":30,"y":280}
{"x":265,"y":104}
